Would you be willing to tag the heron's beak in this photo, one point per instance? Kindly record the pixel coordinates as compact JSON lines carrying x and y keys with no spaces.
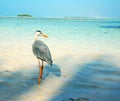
{"x":44,"y":35}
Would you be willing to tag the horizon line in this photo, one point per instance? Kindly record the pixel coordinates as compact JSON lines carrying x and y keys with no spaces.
{"x":65,"y":17}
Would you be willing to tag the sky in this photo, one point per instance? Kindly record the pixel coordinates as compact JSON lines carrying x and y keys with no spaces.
{"x":61,"y":8}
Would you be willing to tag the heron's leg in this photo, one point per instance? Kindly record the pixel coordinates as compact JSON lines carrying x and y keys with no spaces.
{"x":39,"y":63}
{"x":40,"y":72}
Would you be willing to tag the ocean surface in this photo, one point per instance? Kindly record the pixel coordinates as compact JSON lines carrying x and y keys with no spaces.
{"x":86,"y":55}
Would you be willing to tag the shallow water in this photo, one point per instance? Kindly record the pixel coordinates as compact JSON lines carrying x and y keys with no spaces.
{"x":85,"y":54}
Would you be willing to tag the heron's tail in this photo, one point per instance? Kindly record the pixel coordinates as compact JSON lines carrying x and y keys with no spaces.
{"x":51,"y":63}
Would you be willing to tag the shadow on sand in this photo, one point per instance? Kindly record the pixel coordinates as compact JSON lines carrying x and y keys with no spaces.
{"x":55,"y":70}
{"x":97,"y":80}
{"x":15,"y":84}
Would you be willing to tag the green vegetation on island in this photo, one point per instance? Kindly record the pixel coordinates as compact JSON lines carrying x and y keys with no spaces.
{"x":24,"y":15}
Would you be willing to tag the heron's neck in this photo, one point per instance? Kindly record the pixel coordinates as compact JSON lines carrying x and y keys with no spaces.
{"x":36,"y":37}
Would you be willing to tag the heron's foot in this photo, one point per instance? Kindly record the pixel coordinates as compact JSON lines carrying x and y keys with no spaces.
{"x":39,"y":80}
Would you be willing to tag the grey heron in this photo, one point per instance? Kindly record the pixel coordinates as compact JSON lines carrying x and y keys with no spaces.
{"x":42,"y":52}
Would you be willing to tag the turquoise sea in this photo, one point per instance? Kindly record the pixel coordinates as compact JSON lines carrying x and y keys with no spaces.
{"x":95,"y":35}
{"x":86,"y":51}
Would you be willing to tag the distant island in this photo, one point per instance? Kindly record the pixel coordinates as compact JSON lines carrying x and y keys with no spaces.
{"x":24,"y":15}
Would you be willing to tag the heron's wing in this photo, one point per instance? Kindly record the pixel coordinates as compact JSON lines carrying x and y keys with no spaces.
{"x":42,"y":51}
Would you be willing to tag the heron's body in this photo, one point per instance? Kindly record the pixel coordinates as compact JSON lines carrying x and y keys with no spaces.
{"x":42,"y":52}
